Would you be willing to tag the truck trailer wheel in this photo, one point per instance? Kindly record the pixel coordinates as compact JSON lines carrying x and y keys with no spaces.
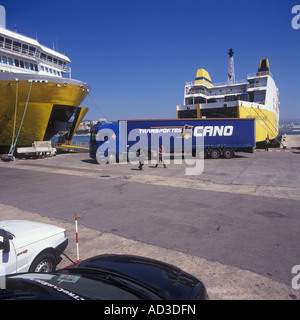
{"x":215,"y":153}
{"x":100,"y":157}
{"x":228,"y":153}
{"x":201,"y":154}
{"x":45,"y":262}
{"x":111,"y":158}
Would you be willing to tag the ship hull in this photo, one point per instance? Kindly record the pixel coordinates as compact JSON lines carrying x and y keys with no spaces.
{"x":35,"y":108}
{"x":267,"y":121}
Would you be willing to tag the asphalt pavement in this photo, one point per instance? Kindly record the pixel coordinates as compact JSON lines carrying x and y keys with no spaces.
{"x":235,"y":225}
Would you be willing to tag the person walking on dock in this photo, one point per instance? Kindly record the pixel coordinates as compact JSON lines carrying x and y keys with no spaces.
{"x":161,"y":152}
{"x":267,"y":143}
{"x":141,"y":156}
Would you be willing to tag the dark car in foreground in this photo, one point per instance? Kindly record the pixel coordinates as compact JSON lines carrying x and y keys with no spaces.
{"x":107,"y":277}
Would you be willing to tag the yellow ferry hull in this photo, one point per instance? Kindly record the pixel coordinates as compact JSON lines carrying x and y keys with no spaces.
{"x":267,"y":122}
{"x":50,"y":104}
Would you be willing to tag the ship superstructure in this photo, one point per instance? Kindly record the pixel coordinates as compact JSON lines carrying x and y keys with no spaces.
{"x":37,"y":100}
{"x":257,"y":97}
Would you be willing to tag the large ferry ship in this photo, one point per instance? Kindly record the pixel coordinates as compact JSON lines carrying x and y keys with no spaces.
{"x":38,"y":98}
{"x":257,"y":97}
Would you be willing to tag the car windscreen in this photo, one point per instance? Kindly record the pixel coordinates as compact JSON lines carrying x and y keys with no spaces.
{"x":79,"y":287}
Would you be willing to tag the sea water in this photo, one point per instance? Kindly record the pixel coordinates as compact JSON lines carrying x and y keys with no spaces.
{"x":82,"y":141}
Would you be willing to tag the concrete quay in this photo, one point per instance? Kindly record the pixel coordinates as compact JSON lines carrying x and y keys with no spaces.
{"x":235,"y":225}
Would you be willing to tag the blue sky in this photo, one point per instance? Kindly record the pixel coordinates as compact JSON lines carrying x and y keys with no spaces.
{"x":138,"y":54}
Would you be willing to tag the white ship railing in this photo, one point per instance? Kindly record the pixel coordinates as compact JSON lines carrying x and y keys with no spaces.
{"x":216,"y":92}
{"x":18,"y":49}
{"x":31,"y":53}
{"x":218,"y":84}
{"x":259,"y":74}
{"x":257,"y":84}
{"x":223,"y":84}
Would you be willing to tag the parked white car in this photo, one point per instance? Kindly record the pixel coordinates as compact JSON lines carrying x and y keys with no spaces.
{"x":28,"y":246}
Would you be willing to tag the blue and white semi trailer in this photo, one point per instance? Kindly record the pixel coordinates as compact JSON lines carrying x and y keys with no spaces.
{"x":111,"y":142}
